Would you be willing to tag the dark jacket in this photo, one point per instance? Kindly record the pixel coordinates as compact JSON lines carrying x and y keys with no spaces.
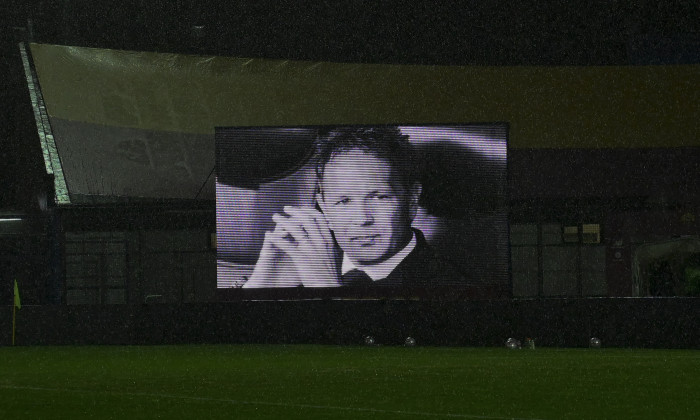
{"x":423,"y":267}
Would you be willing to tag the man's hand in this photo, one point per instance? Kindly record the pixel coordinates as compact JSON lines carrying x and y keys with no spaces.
{"x":304,"y":235}
{"x":273,"y":268}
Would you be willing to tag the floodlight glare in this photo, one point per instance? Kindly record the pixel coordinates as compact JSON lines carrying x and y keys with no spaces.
{"x":513,"y":343}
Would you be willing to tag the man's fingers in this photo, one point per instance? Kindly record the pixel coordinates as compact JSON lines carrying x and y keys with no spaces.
{"x":280,"y":242}
{"x":268,"y":248}
{"x":309,"y":223}
{"x":290,"y":226}
{"x":302,"y":234}
{"x":324,"y":227}
{"x":314,"y":221}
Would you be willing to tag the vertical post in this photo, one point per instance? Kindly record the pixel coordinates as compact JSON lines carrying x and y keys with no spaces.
{"x":14,"y":311}
{"x":15,"y":304}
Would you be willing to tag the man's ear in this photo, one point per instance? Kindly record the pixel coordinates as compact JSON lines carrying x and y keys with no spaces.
{"x":413,"y":199}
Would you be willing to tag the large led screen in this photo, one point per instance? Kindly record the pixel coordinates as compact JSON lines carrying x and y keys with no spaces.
{"x":362,"y":207}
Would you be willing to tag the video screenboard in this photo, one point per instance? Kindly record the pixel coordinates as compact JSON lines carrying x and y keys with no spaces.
{"x":388,"y":207}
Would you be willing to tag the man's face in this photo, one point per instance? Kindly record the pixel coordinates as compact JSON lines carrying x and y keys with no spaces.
{"x":369,"y":214}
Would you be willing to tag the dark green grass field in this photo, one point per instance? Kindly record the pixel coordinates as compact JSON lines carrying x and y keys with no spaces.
{"x":328,"y":382}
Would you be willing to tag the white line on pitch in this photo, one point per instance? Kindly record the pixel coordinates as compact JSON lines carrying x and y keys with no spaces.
{"x":273,"y":404}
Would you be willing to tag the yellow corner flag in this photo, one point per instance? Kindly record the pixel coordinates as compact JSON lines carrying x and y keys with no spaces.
{"x":18,"y":304}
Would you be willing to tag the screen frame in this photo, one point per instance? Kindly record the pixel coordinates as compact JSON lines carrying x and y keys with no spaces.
{"x":469,"y":291}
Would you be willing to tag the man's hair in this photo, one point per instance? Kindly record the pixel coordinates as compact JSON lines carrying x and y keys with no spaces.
{"x":384,"y":142}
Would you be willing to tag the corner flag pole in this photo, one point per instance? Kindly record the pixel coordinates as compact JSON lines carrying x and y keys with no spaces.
{"x":14,"y":309}
{"x":17,"y":305}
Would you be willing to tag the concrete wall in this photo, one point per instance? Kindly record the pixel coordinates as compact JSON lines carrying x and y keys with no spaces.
{"x":624,"y":322}
{"x":166,"y":266}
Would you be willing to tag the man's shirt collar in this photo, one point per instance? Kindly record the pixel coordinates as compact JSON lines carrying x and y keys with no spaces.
{"x":382,"y":270}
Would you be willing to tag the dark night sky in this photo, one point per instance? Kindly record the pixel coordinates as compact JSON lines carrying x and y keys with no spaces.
{"x":459,"y":33}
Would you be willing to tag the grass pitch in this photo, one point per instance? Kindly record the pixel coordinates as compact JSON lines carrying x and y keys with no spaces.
{"x":328,"y":382}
